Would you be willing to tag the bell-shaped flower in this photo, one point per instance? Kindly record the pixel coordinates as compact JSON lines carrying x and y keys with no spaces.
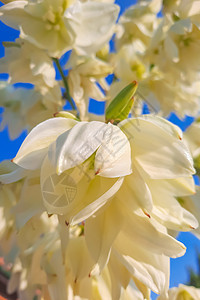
{"x":152,"y":159}
{"x":82,"y":164}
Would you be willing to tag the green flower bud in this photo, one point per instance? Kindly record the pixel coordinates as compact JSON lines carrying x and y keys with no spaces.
{"x":121,"y":105}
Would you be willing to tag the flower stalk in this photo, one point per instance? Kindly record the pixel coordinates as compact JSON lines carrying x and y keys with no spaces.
{"x":67,"y":94}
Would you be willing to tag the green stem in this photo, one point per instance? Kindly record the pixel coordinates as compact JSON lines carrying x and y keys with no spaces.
{"x":64,"y":81}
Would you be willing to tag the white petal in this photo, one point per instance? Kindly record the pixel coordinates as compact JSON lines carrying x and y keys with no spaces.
{"x":100,"y":232}
{"x":119,"y":275}
{"x":34,"y":147}
{"x":171,"y":50}
{"x":93,"y":24}
{"x":12,"y":13}
{"x":166,"y":207}
{"x":97,"y":204}
{"x":137,"y":192}
{"x":150,"y":234}
{"x":113,"y":157}
{"x":10,"y":172}
{"x":76,"y":145}
{"x":74,"y":193}
{"x":148,"y":268}
{"x":156,"y":150}
{"x":30,"y":202}
{"x":56,"y":274}
{"x":79,"y":258}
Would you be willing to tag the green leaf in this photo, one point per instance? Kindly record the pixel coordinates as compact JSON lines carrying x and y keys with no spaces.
{"x":121,"y":105}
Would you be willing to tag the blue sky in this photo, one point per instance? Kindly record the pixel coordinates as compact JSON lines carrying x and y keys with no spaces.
{"x":9,"y":148}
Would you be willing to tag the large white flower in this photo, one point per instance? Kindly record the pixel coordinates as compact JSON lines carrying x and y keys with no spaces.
{"x":59,"y":26}
{"x":91,"y":158}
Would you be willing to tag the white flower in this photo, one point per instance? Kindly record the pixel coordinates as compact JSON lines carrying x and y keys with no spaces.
{"x":26,"y":63}
{"x":138,"y":23}
{"x":16,"y":103}
{"x":58,"y":27}
{"x":83,"y":76}
{"x":88,"y":173}
{"x":76,"y":155}
{"x":24,"y":108}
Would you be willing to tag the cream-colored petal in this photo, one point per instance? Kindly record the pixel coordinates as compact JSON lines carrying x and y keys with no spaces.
{"x":30,"y":202}
{"x":93,"y":23}
{"x":10,"y":172}
{"x":156,"y":150}
{"x":113,"y":157}
{"x":12,"y":13}
{"x":35,"y":146}
{"x":99,"y":202}
{"x":76,"y":193}
{"x":100,"y":233}
{"x":137,"y":192}
{"x":76,"y":145}
{"x":79,"y":258}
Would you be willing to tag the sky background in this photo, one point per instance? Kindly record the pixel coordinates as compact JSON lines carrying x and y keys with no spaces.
{"x":8,"y":149}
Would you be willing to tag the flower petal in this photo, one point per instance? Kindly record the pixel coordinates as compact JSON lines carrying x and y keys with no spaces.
{"x":34,"y":147}
{"x":76,"y":145}
{"x":113,"y":157}
{"x":93,"y":23}
{"x":156,"y":150}
{"x":10,"y":172}
{"x":75,"y":193}
{"x":100,"y":233}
